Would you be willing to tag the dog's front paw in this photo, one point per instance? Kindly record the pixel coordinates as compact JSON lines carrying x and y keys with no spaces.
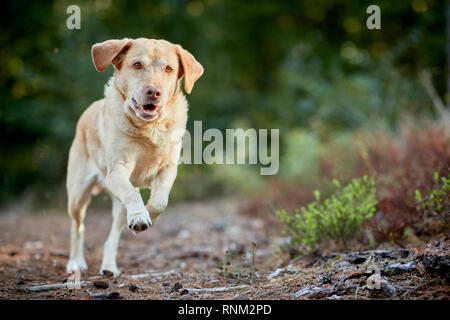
{"x":139,"y":222}
{"x":138,"y":218}
{"x":110,"y":271}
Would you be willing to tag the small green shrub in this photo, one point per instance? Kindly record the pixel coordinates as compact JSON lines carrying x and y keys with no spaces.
{"x":338,"y":218}
{"x":437,"y":201}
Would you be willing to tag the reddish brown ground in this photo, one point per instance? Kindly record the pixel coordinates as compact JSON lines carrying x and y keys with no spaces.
{"x":186,"y":246}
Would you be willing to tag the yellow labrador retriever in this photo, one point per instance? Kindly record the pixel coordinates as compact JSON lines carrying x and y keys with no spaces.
{"x":131,"y":139}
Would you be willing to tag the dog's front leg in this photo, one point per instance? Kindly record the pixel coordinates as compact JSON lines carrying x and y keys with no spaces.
{"x":160,"y":190}
{"x":118,"y":183}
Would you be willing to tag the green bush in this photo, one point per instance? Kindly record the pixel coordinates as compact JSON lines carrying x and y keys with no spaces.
{"x":437,"y":201}
{"x":338,"y":218}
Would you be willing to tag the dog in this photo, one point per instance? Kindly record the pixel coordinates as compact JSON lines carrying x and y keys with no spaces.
{"x":129,"y":140}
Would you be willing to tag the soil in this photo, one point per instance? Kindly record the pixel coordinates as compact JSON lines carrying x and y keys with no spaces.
{"x":207,"y":245}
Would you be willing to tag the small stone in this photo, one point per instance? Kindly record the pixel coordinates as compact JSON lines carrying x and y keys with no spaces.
{"x":324,"y":279}
{"x":311,"y":292}
{"x":177,"y":286}
{"x":290,"y":268}
{"x":114,"y":295}
{"x":219,"y":227}
{"x":344,"y":266}
{"x":20,"y":282}
{"x":183,"y":292}
{"x":133,"y":288}
{"x":382,"y":253}
{"x":388,"y":288}
{"x":440,"y":264}
{"x":184,"y":234}
{"x":398,"y":268}
{"x":276,"y":273}
{"x":404,"y":253}
{"x":187,"y":297}
{"x":280,"y":271}
{"x":105,"y":295}
{"x":357,"y":260}
{"x":101,"y":284}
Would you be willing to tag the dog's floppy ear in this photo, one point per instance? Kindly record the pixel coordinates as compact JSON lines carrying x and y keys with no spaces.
{"x":191,"y":69}
{"x":111,"y":51}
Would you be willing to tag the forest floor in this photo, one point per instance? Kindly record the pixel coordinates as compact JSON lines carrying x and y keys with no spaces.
{"x":207,"y":250}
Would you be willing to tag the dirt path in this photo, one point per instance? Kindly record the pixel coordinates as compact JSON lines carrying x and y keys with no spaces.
{"x":192,"y":247}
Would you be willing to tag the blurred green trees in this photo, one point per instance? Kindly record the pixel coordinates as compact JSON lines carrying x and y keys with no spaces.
{"x":268,"y":64}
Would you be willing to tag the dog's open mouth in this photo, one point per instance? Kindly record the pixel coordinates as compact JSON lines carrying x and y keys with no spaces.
{"x":146,"y":111}
{"x":149,"y":107}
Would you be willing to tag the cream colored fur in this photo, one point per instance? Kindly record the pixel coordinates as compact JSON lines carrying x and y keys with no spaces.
{"x":122,"y":148}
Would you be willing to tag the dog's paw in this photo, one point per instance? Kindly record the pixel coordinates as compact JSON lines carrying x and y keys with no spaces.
{"x":76,"y":265}
{"x":138,"y":218}
{"x":139,"y":222}
{"x":110,"y":271}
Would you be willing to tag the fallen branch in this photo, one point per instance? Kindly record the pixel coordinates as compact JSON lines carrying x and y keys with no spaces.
{"x":154,"y":274}
{"x":139,"y":276}
{"x":106,"y":295}
{"x":221,"y":289}
{"x":54,"y":286}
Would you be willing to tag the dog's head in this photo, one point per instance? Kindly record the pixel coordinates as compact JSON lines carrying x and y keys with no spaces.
{"x":147,"y":72}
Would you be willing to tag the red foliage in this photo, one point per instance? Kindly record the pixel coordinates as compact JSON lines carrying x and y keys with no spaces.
{"x":401,"y":163}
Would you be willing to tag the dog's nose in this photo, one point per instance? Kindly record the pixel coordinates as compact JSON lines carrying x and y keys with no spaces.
{"x":153,"y":92}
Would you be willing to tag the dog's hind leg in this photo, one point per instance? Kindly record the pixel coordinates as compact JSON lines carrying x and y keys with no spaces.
{"x":112,"y":243}
{"x":80,"y":181}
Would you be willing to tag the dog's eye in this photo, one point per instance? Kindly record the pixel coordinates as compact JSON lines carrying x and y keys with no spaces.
{"x":168,"y":69}
{"x":137,"y":65}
